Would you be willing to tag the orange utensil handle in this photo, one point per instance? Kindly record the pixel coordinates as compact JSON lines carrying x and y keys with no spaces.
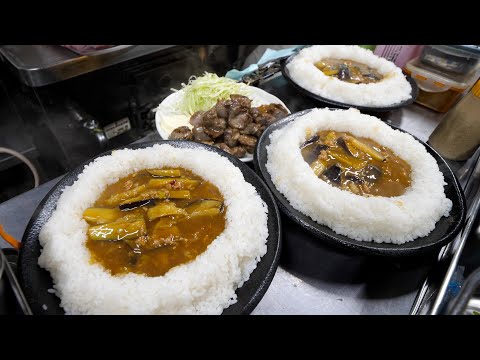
{"x":9,"y":238}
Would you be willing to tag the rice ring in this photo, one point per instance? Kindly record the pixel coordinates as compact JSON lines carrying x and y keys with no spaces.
{"x":396,"y":219}
{"x":391,"y":90}
{"x":205,"y":285}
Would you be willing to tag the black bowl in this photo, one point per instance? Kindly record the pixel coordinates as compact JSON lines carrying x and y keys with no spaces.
{"x":35,"y":281}
{"x":324,"y":100}
{"x":445,"y":230}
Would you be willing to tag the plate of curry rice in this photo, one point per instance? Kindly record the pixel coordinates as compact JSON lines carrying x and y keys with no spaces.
{"x":168,"y":227}
{"x":359,"y":184}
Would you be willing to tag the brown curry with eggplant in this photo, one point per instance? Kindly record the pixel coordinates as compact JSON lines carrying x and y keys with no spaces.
{"x":153,"y":220}
{"x":356,"y":164}
{"x":349,"y":71}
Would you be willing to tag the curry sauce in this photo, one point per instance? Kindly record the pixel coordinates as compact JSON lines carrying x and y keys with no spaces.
{"x":153,"y":220}
{"x":356,"y":164}
{"x":349,"y":71}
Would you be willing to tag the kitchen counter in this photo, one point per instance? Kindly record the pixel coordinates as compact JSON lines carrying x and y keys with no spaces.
{"x":313,"y":279}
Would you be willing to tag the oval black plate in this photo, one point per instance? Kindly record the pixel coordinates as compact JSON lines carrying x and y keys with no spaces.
{"x":445,"y":230}
{"x":322,"y":99}
{"x":35,"y":280}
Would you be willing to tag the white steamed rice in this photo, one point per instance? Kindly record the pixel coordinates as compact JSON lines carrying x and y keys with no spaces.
{"x":381,"y":219}
{"x":205,"y":285}
{"x":391,"y":90}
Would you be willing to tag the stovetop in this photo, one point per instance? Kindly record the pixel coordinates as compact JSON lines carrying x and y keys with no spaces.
{"x":61,"y":125}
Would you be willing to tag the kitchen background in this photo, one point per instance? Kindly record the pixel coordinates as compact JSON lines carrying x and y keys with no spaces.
{"x":62,"y":105}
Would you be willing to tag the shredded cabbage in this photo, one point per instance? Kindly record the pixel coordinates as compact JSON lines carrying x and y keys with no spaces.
{"x":202,"y":93}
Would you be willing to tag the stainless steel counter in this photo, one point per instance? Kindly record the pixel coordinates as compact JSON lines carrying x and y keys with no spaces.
{"x":39,"y":65}
{"x":311,"y":278}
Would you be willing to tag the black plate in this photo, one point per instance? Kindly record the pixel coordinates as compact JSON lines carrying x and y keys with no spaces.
{"x":412,"y":82}
{"x":35,"y":280}
{"x":445,"y":230}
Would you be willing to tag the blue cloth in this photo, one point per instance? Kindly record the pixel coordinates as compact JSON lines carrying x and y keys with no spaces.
{"x":269,"y":55}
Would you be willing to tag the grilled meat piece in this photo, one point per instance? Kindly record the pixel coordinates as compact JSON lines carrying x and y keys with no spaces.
{"x":231,"y":137}
{"x":181,"y":133}
{"x":199,"y":134}
{"x":237,"y":151}
{"x":240,"y":100}
{"x":212,"y":124}
{"x":239,"y":118}
{"x":222,"y":109}
{"x":251,"y":129}
{"x":247,"y":140}
{"x":197,"y":118}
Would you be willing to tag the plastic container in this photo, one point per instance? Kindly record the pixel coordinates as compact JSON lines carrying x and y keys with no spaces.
{"x":438,"y":90}
{"x":458,"y":135}
{"x":398,"y":54}
{"x":456,"y":59}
